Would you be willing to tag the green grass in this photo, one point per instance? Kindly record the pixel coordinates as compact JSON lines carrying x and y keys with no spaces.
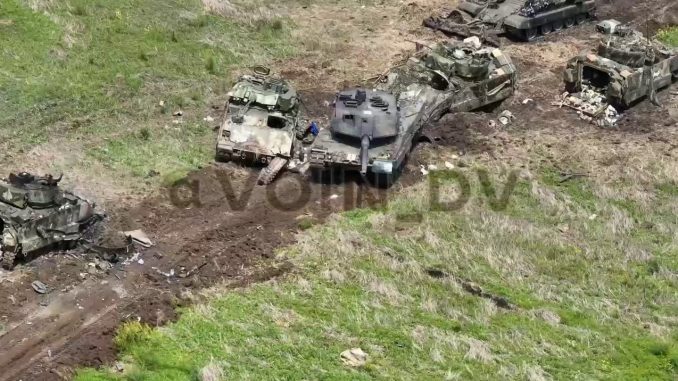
{"x":591,"y":281}
{"x":669,"y":35}
{"x":94,"y":72}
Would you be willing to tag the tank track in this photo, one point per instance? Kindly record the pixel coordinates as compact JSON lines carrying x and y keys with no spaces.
{"x":8,"y":258}
{"x":268,"y":174}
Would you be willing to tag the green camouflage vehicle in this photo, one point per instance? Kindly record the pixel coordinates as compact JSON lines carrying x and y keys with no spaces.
{"x":260,"y":124}
{"x":624,"y":68}
{"x":36,"y":214}
{"x":522,"y":19}
{"x":373,"y":131}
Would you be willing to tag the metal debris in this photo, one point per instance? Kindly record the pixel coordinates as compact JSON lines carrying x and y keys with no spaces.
{"x":138,"y":236}
{"x":506,"y":117}
{"x":39,"y":287}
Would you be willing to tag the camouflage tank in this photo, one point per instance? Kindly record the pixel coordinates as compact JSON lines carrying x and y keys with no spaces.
{"x":373,"y":131}
{"x":36,"y":214}
{"x":624,"y":68}
{"x":522,"y":19}
{"x":260,"y":124}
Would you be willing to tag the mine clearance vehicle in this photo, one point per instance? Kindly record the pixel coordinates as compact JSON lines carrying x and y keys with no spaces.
{"x":373,"y":131}
{"x":260,"y":124}
{"x":522,"y":19}
{"x":624,"y":68}
{"x":35,"y":213}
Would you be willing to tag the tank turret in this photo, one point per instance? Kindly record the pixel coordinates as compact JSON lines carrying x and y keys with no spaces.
{"x":365,"y":115}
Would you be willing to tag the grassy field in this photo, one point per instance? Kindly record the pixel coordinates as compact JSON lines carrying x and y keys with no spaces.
{"x":565,"y":283}
{"x":95,"y":72}
{"x":669,"y":36}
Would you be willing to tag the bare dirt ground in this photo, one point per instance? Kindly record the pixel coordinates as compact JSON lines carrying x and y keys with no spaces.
{"x":43,"y":337}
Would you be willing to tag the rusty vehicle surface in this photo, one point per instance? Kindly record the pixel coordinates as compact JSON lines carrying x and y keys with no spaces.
{"x":521,"y":19}
{"x":35,"y":214}
{"x":373,"y":131}
{"x":260,"y":124}
{"x":624,"y":68}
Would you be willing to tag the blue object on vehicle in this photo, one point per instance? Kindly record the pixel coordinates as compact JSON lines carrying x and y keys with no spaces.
{"x":314,"y":128}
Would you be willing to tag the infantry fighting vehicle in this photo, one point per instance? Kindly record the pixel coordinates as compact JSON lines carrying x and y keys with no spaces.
{"x":623,"y":68}
{"x":522,"y":19}
{"x":373,"y":131}
{"x":35,"y":214}
{"x":260,"y":123}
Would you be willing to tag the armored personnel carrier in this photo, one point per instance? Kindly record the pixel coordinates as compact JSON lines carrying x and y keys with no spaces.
{"x":624,"y":68}
{"x":522,"y":19}
{"x":373,"y":131}
{"x":35,"y":214}
{"x":260,"y":124}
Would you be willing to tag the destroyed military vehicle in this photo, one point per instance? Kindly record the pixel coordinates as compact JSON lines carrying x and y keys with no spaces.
{"x":521,"y":19}
{"x":373,"y":131}
{"x":36,"y":214}
{"x":260,"y":123}
{"x":624,"y":68}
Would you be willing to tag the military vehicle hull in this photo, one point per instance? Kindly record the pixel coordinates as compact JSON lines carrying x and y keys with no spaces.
{"x":512,"y":17}
{"x":622,"y":86}
{"x":624,"y":68}
{"x":35,"y":216}
{"x":260,"y":124}
{"x":419,"y":103}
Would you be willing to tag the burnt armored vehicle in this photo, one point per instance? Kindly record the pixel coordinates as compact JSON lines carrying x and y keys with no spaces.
{"x":260,"y":124}
{"x":373,"y":131}
{"x":624,"y":68}
{"x":521,"y":19}
{"x":35,"y":214}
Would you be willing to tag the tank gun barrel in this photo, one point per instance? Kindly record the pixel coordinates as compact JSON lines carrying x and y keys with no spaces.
{"x":364,"y":154}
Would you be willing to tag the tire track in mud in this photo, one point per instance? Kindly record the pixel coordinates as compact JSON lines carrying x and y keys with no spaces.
{"x":204,"y":245}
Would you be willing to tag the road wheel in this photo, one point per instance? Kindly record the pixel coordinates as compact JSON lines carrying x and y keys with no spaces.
{"x":569,"y":22}
{"x":546,"y":29}
{"x":531,"y":34}
{"x":557,"y":25}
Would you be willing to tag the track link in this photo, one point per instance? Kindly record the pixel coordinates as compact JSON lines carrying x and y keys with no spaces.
{"x":268,"y":174}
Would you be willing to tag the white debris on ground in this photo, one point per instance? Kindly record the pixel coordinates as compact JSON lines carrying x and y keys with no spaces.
{"x":506,"y":117}
{"x":473,"y":41}
{"x":139,"y":236}
{"x":591,"y":106}
{"x":355,"y":357}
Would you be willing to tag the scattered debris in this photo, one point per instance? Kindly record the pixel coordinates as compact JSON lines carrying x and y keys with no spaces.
{"x":449,"y":165}
{"x":334,"y":196}
{"x":506,"y":117}
{"x":39,"y":287}
{"x":527,"y":100}
{"x":354,"y":357}
{"x":473,"y":41}
{"x":591,"y":106}
{"x":208,"y":119}
{"x":138,"y":236}
{"x":423,"y":170}
{"x":178,"y":113}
